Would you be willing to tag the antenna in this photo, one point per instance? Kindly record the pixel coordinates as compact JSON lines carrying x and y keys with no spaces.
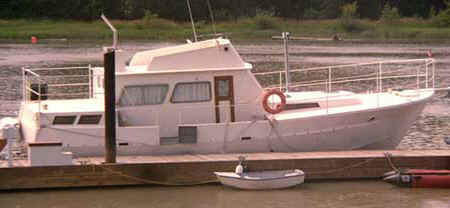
{"x":113,"y":29}
{"x":212,"y":17}
{"x":192,"y":19}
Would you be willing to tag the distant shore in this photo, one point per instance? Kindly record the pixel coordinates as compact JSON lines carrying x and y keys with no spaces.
{"x":157,"y":29}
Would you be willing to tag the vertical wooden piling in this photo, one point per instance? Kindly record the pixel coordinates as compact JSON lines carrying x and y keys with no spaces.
{"x":110,"y":106}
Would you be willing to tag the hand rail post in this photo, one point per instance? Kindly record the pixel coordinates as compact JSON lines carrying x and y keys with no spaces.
{"x":433,"y":68}
{"x":39,"y":94}
{"x":327,"y":85}
{"x":281,"y":80}
{"x":329,"y":79}
{"x":381,"y":78}
{"x":24,"y":92}
{"x":378,"y":74}
{"x":426,"y":74}
{"x":90,"y":80}
{"x":417,"y":77}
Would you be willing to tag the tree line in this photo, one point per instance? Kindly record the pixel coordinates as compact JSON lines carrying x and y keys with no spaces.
{"x":176,"y":10}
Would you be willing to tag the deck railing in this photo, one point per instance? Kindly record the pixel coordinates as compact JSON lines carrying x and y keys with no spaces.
{"x":34,"y":80}
{"x":384,"y":75}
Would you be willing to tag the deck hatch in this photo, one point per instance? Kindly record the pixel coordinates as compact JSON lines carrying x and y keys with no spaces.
{"x":89,"y":119}
{"x":64,"y":120}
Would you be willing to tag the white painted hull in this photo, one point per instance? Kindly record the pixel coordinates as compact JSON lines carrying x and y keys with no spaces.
{"x":370,"y":129}
{"x":262,"y":180}
{"x":377,"y":128}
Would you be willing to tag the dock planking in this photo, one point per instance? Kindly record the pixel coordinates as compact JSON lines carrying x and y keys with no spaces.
{"x":192,"y":169}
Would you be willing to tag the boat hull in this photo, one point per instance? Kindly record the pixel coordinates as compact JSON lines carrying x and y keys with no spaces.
{"x":269,"y":180}
{"x":381,"y":128}
{"x":419,"y":178}
{"x":371,"y":128}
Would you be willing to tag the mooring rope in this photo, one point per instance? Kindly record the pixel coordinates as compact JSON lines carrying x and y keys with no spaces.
{"x":388,"y":156}
{"x":272,"y":122}
{"x":147,"y":181}
{"x":343,"y":168}
{"x":154,"y":182}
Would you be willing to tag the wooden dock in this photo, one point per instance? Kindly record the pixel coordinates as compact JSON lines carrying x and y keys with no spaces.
{"x":198,"y":169}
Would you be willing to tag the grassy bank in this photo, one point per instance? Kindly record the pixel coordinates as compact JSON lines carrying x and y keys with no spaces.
{"x":257,"y":28}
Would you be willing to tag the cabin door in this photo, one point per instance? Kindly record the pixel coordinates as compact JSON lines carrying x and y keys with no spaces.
{"x":224,"y":99}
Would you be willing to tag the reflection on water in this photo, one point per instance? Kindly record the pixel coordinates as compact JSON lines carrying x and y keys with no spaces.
{"x":363,"y":194}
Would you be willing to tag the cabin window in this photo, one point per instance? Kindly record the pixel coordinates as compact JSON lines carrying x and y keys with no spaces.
{"x":89,"y":119}
{"x":301,"y":106}
{"x":191,"y":92}
{"x":64,"y":120}
{"x":143,"y":95}
{"x":223,"y":87}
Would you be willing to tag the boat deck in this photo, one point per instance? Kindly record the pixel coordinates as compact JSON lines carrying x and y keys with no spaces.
{"x":347,"y":103}
{"x":199,"y":169}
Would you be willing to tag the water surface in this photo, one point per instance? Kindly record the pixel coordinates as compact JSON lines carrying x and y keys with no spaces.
{"x":362,"y":194}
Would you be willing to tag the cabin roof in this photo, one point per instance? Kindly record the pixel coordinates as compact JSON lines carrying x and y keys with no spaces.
{"x":202,"y":55}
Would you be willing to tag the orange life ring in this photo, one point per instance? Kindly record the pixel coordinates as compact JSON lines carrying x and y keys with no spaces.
{"x":278,"y":108}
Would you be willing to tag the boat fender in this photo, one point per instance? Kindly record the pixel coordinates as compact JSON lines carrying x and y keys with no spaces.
{"x":431,"y":181}
{"x":278,"y":108}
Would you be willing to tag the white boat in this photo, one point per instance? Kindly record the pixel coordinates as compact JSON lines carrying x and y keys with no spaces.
{"x":272,"y":179}
{"x":202,"y":97}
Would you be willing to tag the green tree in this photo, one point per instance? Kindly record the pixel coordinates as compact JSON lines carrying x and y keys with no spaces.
{"x":442,"y":19}
{"x":390,"y":15}
{"x":348,"y":18}
{"x":413,"y":8}
{"x":370,"y":8}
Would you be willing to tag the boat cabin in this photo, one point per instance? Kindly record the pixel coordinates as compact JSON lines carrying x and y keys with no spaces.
{"x":208,"y":83}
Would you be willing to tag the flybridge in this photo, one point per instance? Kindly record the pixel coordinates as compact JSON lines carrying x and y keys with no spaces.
{"x":209,"y":54}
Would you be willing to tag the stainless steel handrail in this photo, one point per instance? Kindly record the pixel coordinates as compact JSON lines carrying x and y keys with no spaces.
{"x":33,"y":75}
{"x":379,"y":74}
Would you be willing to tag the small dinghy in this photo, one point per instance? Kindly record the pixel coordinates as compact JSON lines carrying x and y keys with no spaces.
{"x":258,"y":180}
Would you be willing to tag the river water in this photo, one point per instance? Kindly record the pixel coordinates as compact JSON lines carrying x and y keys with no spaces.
{"x":361,"y":194}
{"x":427,"y":133}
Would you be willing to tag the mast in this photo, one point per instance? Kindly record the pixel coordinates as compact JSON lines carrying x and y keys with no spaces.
{"x":192,"y":19}
{"x":211,"y":14}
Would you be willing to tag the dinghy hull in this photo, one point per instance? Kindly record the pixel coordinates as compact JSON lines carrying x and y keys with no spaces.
{"x":262,"y":180}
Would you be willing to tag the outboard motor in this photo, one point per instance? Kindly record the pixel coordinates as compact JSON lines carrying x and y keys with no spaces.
{"x":240,"y":167}
{"x":9,"y":135}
